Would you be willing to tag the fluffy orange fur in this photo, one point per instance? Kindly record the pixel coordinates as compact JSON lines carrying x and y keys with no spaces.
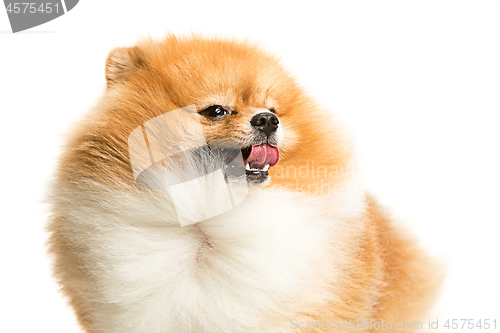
{"x":385,"y":275}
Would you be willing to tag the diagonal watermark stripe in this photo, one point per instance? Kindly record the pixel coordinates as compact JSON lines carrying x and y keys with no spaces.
{"x":28,"y":14}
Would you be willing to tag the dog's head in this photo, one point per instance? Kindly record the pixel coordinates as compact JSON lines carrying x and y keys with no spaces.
{"x":242,"y":96}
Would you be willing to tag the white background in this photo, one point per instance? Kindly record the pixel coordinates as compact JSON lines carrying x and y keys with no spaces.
{"x":417,"y":82}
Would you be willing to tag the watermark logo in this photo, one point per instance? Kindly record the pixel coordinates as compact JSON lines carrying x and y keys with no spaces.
{"x":170,"y":153}
{"x":26,"y":15}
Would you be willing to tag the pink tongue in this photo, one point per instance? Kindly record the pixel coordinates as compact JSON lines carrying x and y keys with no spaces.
{"x":262,"y":155}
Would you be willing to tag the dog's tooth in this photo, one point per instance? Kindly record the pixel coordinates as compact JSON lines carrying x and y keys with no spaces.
{"x":266,"y":167}
{"x":247,"y":167}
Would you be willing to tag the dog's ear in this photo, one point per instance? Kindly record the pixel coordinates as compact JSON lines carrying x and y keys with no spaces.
{"x":122,"y":62}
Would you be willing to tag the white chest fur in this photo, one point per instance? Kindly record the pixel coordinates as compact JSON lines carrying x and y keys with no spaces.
{"x":226,"y":274}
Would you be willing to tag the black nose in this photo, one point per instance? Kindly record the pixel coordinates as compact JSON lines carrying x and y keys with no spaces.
{"x":266,"y":122}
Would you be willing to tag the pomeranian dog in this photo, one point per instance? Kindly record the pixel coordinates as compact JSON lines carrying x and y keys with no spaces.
{"x":207,"y":192}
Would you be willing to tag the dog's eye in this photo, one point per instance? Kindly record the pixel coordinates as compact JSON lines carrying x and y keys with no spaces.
{"x":215,"y":111}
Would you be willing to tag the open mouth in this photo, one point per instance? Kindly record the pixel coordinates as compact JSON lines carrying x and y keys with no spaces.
{"x":252,"y":162}
{"x":258,"y":159}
